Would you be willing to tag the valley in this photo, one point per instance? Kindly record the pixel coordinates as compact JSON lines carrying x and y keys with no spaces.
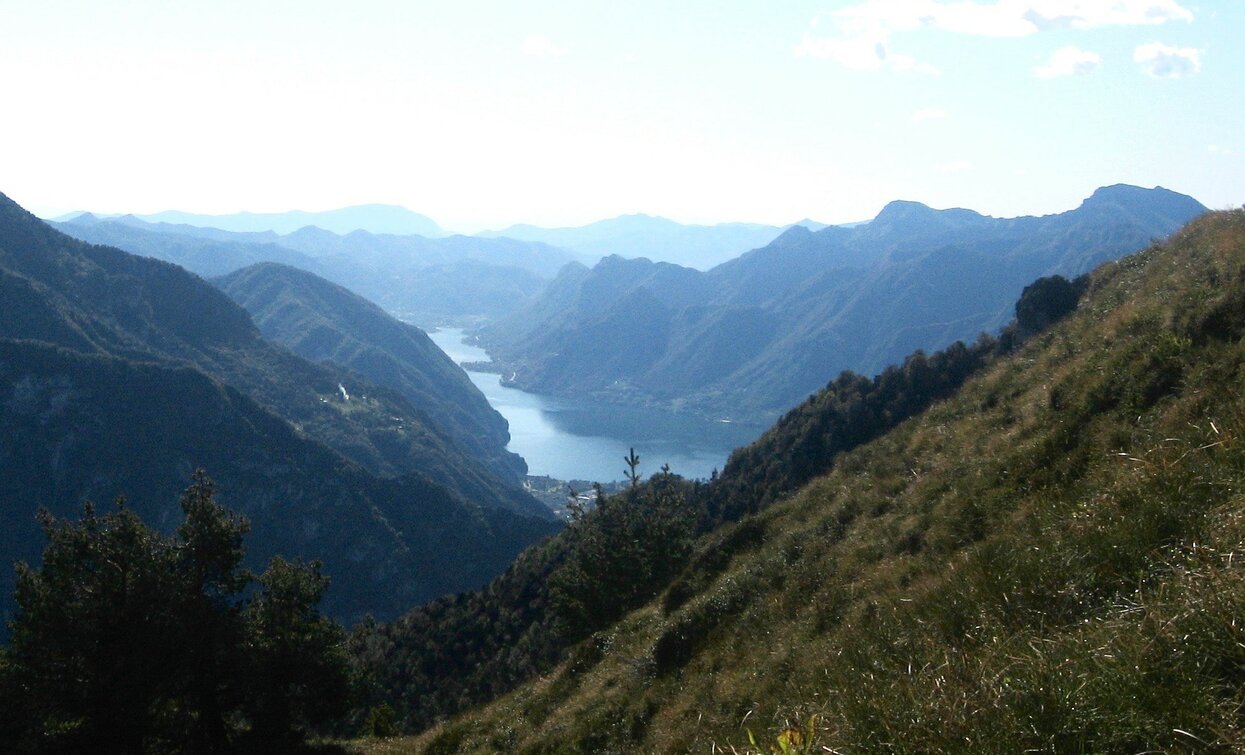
{"x":583,"y":439}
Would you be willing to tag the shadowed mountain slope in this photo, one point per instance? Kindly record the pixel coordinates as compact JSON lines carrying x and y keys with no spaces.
{"x":322,"y":321}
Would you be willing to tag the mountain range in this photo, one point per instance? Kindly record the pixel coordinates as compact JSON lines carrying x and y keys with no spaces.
{"x":655,"y":238}
{"x":122,"y":374}
{"x":755,"y":335}
{"x":429,"y":281}
{"x":377,"y":218}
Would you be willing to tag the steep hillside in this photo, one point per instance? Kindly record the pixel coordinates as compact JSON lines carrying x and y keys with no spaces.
{"x":324,"y":322}
{"x":756,"y":335}
{"x":1049,"y":560}
{"x":77,"y":426}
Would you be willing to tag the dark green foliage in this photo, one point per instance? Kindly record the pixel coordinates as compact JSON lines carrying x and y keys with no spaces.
{"x":1047,"y":300}
{"x":457,"y":651}
{"x":851,"y":410}
{"x":74,"y":426}
{"x":129,"y":641}
{"x":623,"y":554}
{"x":296,"y":657}
{"x":381,"y":722}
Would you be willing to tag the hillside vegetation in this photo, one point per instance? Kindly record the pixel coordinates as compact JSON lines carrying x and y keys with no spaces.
{"x":321,"y":321}
{"x":1049,"y":560}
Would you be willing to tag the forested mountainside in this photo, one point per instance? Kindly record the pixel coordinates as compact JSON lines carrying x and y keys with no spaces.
{"x":424,"y":280}
{"x":658,"y":239}
{"x":472,"y":648}
{"x":1048,"y":559}
{"x":102,"y":303}
{"x":77,"y":426}
{"x":322,"y":321}
{"x":135,"y":308}
{"x":758,"y":334}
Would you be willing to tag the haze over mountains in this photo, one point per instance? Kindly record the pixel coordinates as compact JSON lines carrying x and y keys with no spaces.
{"x":755,"y":335}
{"x":377,"y":218}
{"x":457,"y":279}
{"x":659,"y":239}
{"x":744,"y":340}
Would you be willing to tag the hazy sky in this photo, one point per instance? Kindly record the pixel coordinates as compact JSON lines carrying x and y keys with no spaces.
{"x":481,"y":114}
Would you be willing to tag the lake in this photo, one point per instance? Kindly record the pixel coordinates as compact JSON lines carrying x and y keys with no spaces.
{"x":579,"y":439}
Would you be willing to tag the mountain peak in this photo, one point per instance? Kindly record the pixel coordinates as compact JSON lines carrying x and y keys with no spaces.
{"x":904,"y":209}
{"x":905,"y":215}
{"x":1158,"y":201}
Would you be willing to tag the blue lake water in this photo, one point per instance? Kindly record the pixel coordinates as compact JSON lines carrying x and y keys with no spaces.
{"x":587,"y":440}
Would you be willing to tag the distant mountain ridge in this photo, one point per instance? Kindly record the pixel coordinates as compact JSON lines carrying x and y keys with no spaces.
{"x":655,"y":238}
{"x":377,"y":218}
{"x":457,"y":279}
{"x":755,"y":335}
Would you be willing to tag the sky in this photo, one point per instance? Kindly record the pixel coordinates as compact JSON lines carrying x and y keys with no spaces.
{"x":560,"y":112}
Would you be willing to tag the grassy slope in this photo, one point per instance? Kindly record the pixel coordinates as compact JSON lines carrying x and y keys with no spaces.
{"x":1051,"y":559}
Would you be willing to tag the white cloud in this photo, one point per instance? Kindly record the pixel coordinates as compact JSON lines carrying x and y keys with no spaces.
{"x":861,"y":35}
{"x":1088,"y":14}
{"x":1165,"y":62}
{"x":928,"y":114}
{"x":540,"y":46}
{"x":1068,"y":61}
{"x":1215,"y":149}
